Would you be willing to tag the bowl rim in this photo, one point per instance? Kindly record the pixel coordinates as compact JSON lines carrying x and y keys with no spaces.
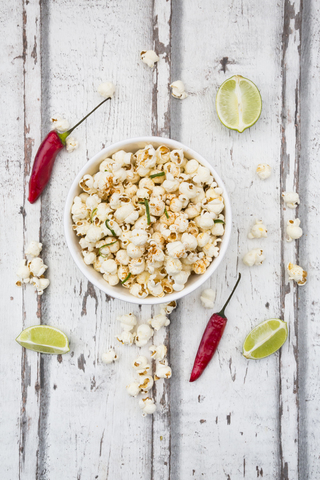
{"x":70,"y":235}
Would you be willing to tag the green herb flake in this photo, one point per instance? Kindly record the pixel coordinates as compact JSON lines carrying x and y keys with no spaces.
{"x":112,"y":231}
{"x":146,"y":204}
{"x":106,"y":245}
{"x":166,"y":213}
{"x":218,"y":220}
{"x":93,"y":214}
{"x":161,"y":174}
{"x":127,"y":278}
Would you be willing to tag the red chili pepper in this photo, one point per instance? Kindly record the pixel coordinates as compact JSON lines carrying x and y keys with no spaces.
{"x":45,"y":158}
{"x":210,"y":339}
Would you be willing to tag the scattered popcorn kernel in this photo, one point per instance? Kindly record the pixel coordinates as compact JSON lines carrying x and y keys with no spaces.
{"x":23,"y":272}
{"x":40,"y":283}
{"x":133,"y":389}
{"x":294,"y":231}
{"x":159,"y":321}
{"x":149,"y":57}
{"x":178,"y":90}
{"x":144,"y":333}
{"x":159,"y":352}
{"x":128,"y":321}
{"x":297,"y":274}
{"x":126,"y":338}
{"x":34,"y":248}
{"x":254,"y":257}
{"x":146,"y":383}
{"x":71,"y":144}
{"x":208,"y":297}
{"x":259,"y":230}
{"x":109,"y":356}
{"x":163,"y":370}
{"x":291,"y":199}
{"x":147,"y":406}
{"x":263,"y":171}
{"x":37,"y":267}
{"x":141,"y":365}
{"x":167,"y":308}
{"x":59,"y":123}
{"x":106,"y":89}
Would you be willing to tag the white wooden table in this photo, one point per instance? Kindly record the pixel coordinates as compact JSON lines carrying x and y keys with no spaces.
{"x":70,"y":417}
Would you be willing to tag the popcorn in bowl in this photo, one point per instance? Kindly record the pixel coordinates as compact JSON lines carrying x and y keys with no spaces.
{"x":148,"y":220}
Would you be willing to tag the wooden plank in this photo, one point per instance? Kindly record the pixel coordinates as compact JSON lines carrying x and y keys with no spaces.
{"x":226,"y":424}
{"x":29,"y":443}
{"x":290,"y":155}
{"x":87,"y":404}
{"x":308,"y":251}
{"x":161,"y":123}
{"x":11,"y":199}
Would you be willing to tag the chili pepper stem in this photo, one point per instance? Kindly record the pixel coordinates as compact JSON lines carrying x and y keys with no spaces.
{"x":221,"y":313}
{"x":63,"y":136}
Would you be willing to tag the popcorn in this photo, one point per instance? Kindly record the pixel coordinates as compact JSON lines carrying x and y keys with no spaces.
{"x":122,"y":257}
{"x":79,"y":211}
{"x":137,"y":266}
{"x":59,"y":123}
{"x":34,"y":248}
{"x":291,"y":199}
{"x":126,"y":338}
{"x":133,"y":389}
{"x":141,"y":365}
{"x":294,"y":231}
{"x":94,"y":234}
{"x":71,"y":144}
{"x":146,"y":383}
{"x":109,"y":356}
{"x":208,"y":297}
{"x":259,"y":230}
{"x":147,"y":406}
{"x":139,"y":237}
{"x":37,"y":267}
{"x":161,"y":242}
{"x":23,"y":272}
{"x":106,"y":89}
{"x":128,"y":321}
{"x":159,"y":321}
{"x":40,"y":283}
{"x":297,"y":274}
{"x":134,"y":252}
{"x":263,"y":171}
{"x":176,"y":249}
{"x":159,"y":352}
{"x":89,"y":258}
{"x":254,"y":257}
{"x":144,"y":333}
{"x":92,"y":201}
{"x":167,"y":308}
{"x":149,"y":57}
{"x":109,"y":267}
{"x":163,"y":370}
{"x":178,"y":90}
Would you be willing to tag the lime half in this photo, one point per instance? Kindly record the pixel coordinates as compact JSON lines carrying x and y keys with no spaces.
{"x":238,"y":103}
{"x":265,"y":339}
{"x":44,"y":339}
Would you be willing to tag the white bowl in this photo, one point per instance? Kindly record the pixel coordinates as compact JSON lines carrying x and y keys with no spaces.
{"x":91,"y":167}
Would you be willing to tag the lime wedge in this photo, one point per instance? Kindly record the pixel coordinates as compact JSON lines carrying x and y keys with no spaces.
{"x":265,"y":339}
{"x":238,"y":103}
{"x":44,"y":339}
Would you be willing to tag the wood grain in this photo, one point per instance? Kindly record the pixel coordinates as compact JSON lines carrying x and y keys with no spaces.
{"x":70,"y":416}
